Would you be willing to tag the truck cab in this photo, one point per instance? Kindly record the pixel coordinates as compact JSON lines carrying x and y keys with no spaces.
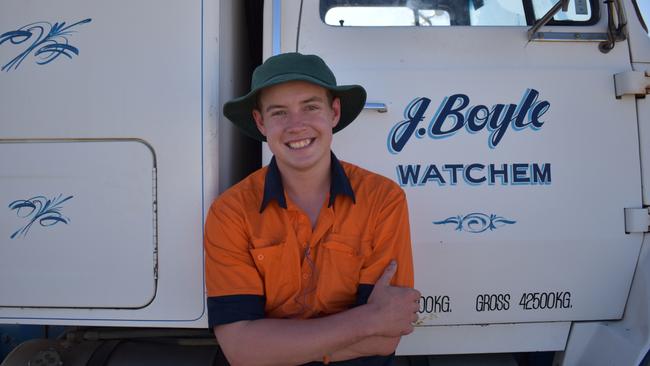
{"x":517,"y":129}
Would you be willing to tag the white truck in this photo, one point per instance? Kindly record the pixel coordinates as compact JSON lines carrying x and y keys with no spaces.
{"x":517,"y":129}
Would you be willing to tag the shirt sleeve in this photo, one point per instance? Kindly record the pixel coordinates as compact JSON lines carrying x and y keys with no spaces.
{"x":391,"y":240}
{"x":234,"y":287}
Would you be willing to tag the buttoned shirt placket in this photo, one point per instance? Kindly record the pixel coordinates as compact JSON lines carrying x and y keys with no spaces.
{"x":307,"y":241}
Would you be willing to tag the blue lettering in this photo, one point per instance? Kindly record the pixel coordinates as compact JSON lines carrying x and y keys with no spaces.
{"x":449,"y":119}
{"x":472,"y":119}
{"x":542,"y":175}
{"x":529,"y":98}
{"x":468,"y":175}
{"x":433,"y":173}
{"x":498,"y":126}
{"x":502,"y":173}
{"x":453,"y":171}
{"x":402,"y":132}
{"x":474,"y":174}
{"x":451,"y":111}
{"x":409,"y":175}
{"x":520,"y":174}
{"x":538,"y":111}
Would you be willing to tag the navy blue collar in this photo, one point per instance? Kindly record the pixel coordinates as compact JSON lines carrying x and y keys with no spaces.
{"x":273,"y":189}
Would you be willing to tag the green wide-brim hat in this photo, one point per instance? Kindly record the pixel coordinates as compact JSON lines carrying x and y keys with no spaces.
{"x":293,"y":67}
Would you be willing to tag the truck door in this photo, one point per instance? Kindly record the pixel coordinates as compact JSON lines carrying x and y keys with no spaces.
{"x":517,"y":158}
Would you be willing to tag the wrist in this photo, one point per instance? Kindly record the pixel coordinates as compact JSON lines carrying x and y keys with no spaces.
{"x":368,"y":325}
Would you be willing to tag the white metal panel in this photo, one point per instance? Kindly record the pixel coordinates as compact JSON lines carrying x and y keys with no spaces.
{"x":562,"y":236}
{"x":85,"y":238}
{"x":139,"y":73}
{"x":624,"y":342}
{"x":487,"y":338}
{"x":637,"y":36}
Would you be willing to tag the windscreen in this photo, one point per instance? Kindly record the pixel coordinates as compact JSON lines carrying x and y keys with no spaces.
{"x":424,"y":13}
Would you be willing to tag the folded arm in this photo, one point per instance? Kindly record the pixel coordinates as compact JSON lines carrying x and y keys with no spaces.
{"x":294,"y":341}
{"x":370,"y":346}
{"x":370,"y":329}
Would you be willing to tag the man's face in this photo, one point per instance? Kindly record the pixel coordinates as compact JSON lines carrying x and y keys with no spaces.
{"x":297,"y":119}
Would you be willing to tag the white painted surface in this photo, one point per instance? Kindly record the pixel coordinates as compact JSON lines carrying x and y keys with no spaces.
{"x":626,"y":341}
{"x":569,"y":233}
{"x":638,"y":37}
{"x":488,"y":338}
{"x":623,"y":342}
{"x":138,"y":75}
{"x":102,"y":255}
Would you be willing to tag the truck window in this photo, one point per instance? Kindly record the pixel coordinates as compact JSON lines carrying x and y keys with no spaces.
{"x":373,"y":13}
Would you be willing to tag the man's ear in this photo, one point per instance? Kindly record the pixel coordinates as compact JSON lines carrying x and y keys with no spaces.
{"x":336,"y":108}
{"x":259,"y":121}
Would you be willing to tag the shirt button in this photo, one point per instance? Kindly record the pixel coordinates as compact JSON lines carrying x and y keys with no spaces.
{"x":305,"y":276}
{"x":304,"y":245}
{"x":260,"y":257}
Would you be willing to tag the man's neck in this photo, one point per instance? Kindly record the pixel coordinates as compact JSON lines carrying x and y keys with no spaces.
{"x":308,"y":189}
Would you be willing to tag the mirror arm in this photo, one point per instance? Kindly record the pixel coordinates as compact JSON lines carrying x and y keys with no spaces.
{"x":561,"y":4}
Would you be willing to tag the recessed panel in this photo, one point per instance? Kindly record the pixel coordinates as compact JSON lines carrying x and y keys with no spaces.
{"x":77,"y":224}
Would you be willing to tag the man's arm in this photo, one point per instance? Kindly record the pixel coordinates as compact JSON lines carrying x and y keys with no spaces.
{"x":370,"y":346}
{"x":389,"y":314}
{"x":392,"y":240}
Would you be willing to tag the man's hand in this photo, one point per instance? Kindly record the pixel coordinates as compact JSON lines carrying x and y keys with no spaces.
{"x":395,"y":308}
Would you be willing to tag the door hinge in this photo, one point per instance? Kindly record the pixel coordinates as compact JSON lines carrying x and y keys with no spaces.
{"x":637,"y":220}
{"x":632,"y":82}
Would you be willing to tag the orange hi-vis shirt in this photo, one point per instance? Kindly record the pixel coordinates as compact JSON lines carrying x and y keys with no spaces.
{"x":264,"y":259}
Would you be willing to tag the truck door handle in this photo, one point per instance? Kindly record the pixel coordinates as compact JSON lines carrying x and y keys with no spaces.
{"x":379,"y":107}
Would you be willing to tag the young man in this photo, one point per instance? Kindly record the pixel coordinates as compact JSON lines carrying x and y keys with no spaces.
{"x":307,"y":259}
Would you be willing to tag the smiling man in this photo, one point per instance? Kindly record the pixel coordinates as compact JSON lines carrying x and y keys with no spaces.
{"x":308,"y":260}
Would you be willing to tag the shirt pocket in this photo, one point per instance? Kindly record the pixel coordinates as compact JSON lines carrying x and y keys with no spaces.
{"x":340,"y":271}
{"x":277,"y":272}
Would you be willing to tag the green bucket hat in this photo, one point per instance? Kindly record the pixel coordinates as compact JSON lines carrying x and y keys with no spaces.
{"x":293,"y":67}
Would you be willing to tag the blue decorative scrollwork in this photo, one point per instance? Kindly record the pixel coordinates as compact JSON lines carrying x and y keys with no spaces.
{"x":47,"y":45}
{"x":47,"y":212}
{"x":476,"y":222}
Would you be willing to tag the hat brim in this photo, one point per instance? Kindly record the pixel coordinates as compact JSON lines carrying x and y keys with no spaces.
{"x":240,"y":110}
